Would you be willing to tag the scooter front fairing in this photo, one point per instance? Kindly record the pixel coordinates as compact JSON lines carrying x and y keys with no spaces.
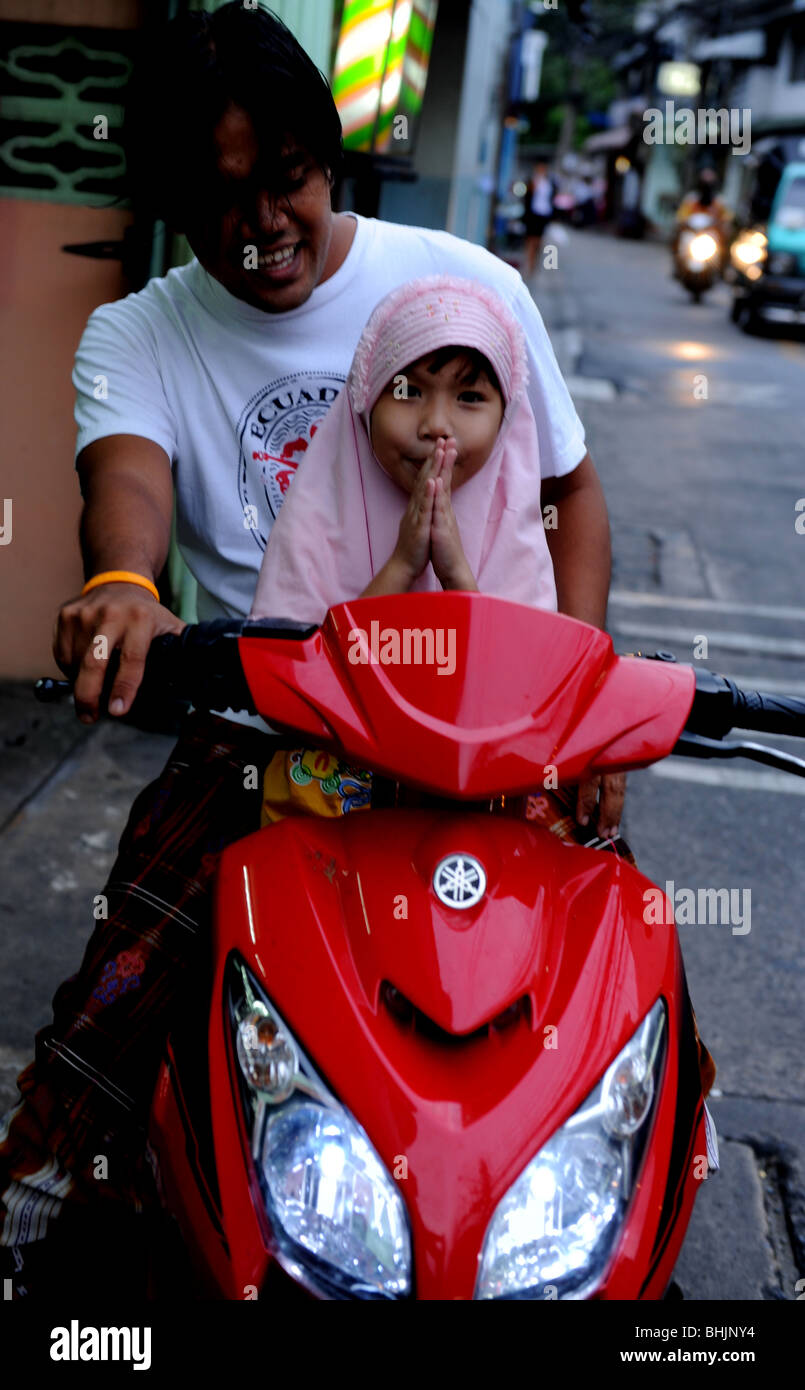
{"x":460,"y":1040}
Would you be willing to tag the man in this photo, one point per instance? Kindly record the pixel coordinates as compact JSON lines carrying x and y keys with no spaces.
{"x":213,"y":380}
{"x":705,"y":198}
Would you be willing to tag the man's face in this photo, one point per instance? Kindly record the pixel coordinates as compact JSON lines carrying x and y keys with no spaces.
{"x":290,"y":226}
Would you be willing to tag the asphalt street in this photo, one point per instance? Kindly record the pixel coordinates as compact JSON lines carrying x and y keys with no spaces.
{"x":697,"y":432}
{"x":701,"y":478}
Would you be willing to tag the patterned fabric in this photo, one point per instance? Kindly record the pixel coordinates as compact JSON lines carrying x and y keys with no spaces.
{"x":307,"y":781}
{"x":88,"y":1091}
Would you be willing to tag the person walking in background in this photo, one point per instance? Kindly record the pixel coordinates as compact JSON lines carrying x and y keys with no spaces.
{"x":539,"y":198}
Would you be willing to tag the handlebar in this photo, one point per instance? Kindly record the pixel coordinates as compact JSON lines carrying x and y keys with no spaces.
{"x":201,"y":665}
{"x":719,"y":705}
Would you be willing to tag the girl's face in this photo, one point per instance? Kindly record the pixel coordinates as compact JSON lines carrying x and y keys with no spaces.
{"x":436,"y":405}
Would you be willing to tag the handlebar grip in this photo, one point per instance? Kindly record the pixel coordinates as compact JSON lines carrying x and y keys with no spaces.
{"x":773,"y":714}
{"x":719,"y":705}
{"x":201,"y":664}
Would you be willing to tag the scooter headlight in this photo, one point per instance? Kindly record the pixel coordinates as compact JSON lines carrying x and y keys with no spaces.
{"x":328,"y":1191}
{"x":338,"y":1221}
{"x":553,"y":1231}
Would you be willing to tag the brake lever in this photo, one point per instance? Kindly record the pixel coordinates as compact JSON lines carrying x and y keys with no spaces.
{"x":690,"y":745}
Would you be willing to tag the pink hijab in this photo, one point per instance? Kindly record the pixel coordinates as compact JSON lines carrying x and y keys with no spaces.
{"x":339,"y":522}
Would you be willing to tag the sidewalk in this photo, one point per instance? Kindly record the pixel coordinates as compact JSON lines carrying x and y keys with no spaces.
{"x":65,"y":796}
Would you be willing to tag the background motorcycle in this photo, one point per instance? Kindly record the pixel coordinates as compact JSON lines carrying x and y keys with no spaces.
{"x":698,"y":254}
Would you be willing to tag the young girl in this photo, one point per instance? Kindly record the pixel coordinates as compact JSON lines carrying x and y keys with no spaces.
{"x":425,"y":472}
{"x":424,"y":475}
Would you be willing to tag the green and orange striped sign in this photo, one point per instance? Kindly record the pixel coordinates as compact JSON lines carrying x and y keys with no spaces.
{"x":381,"y":67}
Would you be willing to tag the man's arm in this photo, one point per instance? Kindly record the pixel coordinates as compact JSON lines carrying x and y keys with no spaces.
{"x":125,"y":525}
{"x":582,"y":560}
{"x":579,"y":543}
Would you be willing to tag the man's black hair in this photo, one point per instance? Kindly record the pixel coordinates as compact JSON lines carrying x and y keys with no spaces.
{"x":475,"y":364}
{"x":187,"y":74}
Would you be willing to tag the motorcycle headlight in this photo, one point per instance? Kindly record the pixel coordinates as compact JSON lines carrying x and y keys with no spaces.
{"x":703,"y":247}
{"x":748,"y":249}
{"x":553,"y":1231}
{"x":338,"y":1220}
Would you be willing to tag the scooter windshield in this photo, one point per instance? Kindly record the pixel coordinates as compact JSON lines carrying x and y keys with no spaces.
{"x":467,"y":695}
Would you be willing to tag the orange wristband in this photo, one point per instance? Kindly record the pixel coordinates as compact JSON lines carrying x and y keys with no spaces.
{"x":120,"y":577}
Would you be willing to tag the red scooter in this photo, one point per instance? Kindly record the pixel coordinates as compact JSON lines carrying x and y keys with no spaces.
{"x":443,"y":1054}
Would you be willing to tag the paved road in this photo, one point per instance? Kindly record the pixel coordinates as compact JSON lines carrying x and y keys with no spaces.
{"x":697,"y":433}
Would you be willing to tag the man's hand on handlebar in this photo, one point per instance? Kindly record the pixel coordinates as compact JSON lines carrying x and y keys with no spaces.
{"x":127,"y":618}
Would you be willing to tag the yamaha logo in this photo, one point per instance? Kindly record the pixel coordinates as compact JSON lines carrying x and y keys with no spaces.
{"x":459,"y":880}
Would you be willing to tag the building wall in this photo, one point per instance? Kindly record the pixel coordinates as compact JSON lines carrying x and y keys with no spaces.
{"x":46,"y":297}
{"x":100,"y":14}
{"x":481,"y":110}
{"x":768,"y":91}
{"x":662,"y":186}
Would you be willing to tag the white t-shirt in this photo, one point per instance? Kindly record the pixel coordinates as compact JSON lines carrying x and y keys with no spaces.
{"x":233,"y":393}
{"x":542,"y":197}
